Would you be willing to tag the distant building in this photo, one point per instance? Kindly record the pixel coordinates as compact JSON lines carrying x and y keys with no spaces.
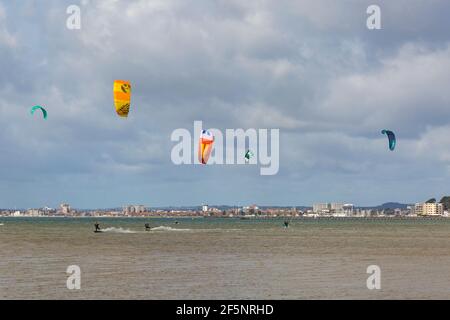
{"x":134,"y":209}
{"x":64,"y":208}
{"x":17,"y":214}
{"x":335,"y":209}
{"x":33,"y":212}
{"x":253,"y":209}
{"x":348,"y":209}
{"x":205,"y":208}
{"x":429,"y":209}
{"x":321,"y":207}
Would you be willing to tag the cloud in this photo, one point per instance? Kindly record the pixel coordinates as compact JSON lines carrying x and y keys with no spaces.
{"x":6,"y":38}
{"x":309,"y":68}
{"x":408,"y":92}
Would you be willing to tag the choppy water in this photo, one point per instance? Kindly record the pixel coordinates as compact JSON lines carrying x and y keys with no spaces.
{"x":224,"y":258}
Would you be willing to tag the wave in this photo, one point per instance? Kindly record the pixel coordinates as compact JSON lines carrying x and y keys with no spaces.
{"x":2,"y":224}
{"x":164,"y":228}
{"x":118,"y":230}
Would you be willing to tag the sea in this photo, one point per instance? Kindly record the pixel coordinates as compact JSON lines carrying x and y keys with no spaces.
{"x":225,"y":258}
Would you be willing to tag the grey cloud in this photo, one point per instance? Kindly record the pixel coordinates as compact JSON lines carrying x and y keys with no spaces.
{"x":310,"y":68}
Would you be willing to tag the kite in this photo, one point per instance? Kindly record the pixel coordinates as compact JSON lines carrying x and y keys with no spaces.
{"x":391,"y":137}
{"x":122,"y":96}
{"x":44,"y":112}
{"x":248,"y":155}
{"x":205,"y":146}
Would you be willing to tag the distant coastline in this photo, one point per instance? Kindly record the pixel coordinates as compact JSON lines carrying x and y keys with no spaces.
{"x":390,"y":210}
{"x":388,"y":218}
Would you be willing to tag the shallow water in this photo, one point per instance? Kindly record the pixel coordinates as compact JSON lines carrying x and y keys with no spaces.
{"x":226,"y":258}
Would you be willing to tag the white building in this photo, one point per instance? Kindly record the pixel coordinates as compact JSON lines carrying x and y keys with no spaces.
{"x":335,"y":209}
{"x":253,"y":209}
{"x":17,"y":214}
{"x":429,"y":209}
{"x":33,"y":212}
{"x":65,"y":208}
{"x":321,"y":207}
{"x":349,"y":209}
{"x":133,"y":209}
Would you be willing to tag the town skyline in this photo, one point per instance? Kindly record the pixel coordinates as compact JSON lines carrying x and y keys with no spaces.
{"x":209,"y":204}
{"x":431,"y":207}
{"x":241,"y":204}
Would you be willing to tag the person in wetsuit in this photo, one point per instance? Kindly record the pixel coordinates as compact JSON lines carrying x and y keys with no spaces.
{"x":147,"y":227}
{"x":286,"y":224}
{"x":97,"y":227}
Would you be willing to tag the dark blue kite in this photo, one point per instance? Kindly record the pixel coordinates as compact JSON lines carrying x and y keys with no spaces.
{"x":391,"y":137}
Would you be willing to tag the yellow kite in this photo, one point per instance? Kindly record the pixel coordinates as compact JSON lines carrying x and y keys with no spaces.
{"x":122,"y":96}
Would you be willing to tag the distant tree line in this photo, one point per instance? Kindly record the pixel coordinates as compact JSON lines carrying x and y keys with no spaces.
{"x":445,"y":202}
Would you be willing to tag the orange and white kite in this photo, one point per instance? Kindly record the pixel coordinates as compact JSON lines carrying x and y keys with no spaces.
{"x":205,"y":146}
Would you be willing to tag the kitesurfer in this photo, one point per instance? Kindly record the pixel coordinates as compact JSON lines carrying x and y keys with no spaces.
{"x":147,"y":227}
{"x":97,"y":227}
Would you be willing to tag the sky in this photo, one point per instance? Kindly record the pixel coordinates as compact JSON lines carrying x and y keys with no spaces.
{"x":310,"y":68}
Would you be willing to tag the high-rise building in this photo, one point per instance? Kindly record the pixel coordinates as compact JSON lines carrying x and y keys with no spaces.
{"x":429,"y":209}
